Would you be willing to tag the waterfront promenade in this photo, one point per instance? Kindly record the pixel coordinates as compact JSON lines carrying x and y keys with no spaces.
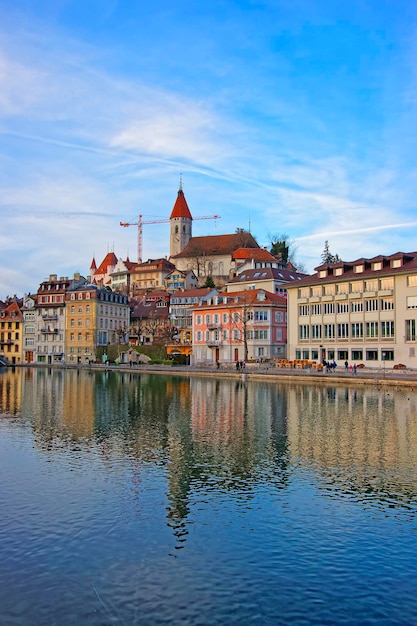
{"x":386,"y":376}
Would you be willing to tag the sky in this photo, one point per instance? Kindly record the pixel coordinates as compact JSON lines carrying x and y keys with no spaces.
{"x":283,"y":117}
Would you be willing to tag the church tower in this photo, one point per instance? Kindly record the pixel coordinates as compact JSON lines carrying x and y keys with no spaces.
{"x":180,"y":224}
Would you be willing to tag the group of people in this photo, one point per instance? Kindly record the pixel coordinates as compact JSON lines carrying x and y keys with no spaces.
{"x":240,"y":365}
{"x":329,"y":366}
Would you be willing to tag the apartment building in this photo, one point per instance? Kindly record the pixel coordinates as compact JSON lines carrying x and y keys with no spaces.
{"x":11,"y":319}
{"x":363,"y":312}
{"x":94,"y":318}
{"x":247,"y":325}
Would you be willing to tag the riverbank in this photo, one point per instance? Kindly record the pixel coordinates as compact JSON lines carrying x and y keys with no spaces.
{"x":366,"y":376}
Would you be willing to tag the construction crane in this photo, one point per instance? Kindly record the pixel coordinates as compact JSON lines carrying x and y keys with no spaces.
{"x":141,"y":222}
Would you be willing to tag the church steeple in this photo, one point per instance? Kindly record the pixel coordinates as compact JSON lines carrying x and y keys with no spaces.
{"x":181,"y":223}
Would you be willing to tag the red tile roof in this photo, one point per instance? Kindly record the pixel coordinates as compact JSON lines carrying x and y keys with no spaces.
{"x":257,"y":254}
{"x":217,"y":245}
{"x":110,"y":260}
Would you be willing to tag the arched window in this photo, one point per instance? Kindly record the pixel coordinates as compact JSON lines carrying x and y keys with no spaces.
{"x":176,"y":230}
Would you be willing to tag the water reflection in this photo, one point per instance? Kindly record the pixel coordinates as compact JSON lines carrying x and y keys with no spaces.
{"x":226,"y":436}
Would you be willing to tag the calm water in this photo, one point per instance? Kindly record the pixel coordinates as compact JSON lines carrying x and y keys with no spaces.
{"x":139,"y":499}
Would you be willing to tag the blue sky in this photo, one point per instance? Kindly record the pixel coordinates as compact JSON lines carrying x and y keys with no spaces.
{"x":291,"y":117}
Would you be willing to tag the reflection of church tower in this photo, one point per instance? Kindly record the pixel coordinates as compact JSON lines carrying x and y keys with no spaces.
{"x":181,"y":224}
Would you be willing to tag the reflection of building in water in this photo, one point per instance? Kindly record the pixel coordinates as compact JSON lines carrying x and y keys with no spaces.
{"x":60,"y":402}
{"x":10,"y":392}
{"x":366,"y":433}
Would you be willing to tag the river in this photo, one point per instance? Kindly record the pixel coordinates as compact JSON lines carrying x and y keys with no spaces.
{"x":129,"y":498}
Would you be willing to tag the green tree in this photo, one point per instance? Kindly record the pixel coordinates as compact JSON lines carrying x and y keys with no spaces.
{"x":282,"y":245}
{"x":327,"y":256}
{"x":209,"y":282}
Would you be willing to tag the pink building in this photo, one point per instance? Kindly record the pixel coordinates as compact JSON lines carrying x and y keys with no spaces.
{"x":240,"y":326}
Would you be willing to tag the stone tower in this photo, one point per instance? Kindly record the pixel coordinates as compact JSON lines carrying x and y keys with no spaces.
{"x":181,"y":224}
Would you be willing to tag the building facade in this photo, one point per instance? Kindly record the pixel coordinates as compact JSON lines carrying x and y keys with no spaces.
{"x":95,"y":318}
{"x":363,"y":312}
{"x":11,"y":327}
{"x":248,"y":325}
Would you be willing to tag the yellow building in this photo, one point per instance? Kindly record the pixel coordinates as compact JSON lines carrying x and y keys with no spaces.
{"x":363,"y":312}
{"x":11,"y":319}
{"x":94,"y":317}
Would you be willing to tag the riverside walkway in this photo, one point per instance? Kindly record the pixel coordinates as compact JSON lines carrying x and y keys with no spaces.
{"x":256,"y":371}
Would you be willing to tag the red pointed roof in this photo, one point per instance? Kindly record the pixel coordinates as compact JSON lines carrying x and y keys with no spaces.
{"x":93,"y":265}
{"x":181,"y":207}
{"x":109,"y":260}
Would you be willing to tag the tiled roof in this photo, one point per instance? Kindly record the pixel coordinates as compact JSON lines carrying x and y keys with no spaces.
{"x":181,"y":207}
{"x":109,"y":260}
{"x":409,"y":264}
{"x":256,"y":254}
{"x":216,"y":245}
{"x":193,"y":293}
{"x":247,"y":297}
{"x":268,"y":273}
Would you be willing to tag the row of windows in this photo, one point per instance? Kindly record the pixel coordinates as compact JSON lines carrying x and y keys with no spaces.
{"x":4,"y":325}
{"x":357,"y":286}
{"x":257,"y":316}
{"x":357,"y":306}
{"x":357,"y":330}
{"x":343,"y":355}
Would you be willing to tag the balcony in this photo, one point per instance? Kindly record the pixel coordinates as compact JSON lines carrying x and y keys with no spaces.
{"x":49,"y":316}
{"x":49,"y":331}
{"x":214,"y":343}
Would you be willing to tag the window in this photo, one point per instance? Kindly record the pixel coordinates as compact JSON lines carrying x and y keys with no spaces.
{"x":72,"y":308}
{"x":260,"y":351}
{"x":207,"y":319}
{"x":356,"y":330}
{"x":343,"y":288}
{"x":236,"y":335}
{"x":261,"y":316}
{"x":261,"y":334}
{"x":72,"y":322}
{"x":411,"y":302}
{"x":329,"y":290}
{"x":304,"y":292}
{"x":342,"y":331}
{"x":356,"y":286}
{"x":79,"y":337}
{"x":342,"y":355}
{"x":329,"y":331}
{"x":372,"y":355}
{"x":371,"y":285}
{"x":316,"y":331}
{"x":387,"y":355}
{"x":224,"y":318}
{"x":343,"y":307}
{"x":371,"y":329}
{"x":304,"y":309}
{"x":387,"y":304}
{"x":328,"y":308}
{"x":316,"y":309}
{"x":198,"y":320}
{"x":412,"y":281}
{"x":410,"y":330}
{"x":387,"y":283}
{"x":304,"y":331}
{"x":356,"y":306}
{"x":371,"y":305}
{"x":316,"y":291}
{"x":387,"y":329}
{"x":357,"y":355}
{"x":279,"y":334}
{"x":279,"y":316}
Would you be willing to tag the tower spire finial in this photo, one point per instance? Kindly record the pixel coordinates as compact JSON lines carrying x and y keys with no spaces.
{"x":180,"y":189}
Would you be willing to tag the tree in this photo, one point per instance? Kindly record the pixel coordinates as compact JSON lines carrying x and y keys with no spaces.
{"x":282,"y":245}
{"x":327,"y":256}
{"x":209,"y":282}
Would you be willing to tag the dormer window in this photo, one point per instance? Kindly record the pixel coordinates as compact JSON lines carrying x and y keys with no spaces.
{"x":397,"y":263}
{"x":358,"y":269}
{"x":338,"y":271}
{"x":377,"y":266}
{"x":322,"y":273}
